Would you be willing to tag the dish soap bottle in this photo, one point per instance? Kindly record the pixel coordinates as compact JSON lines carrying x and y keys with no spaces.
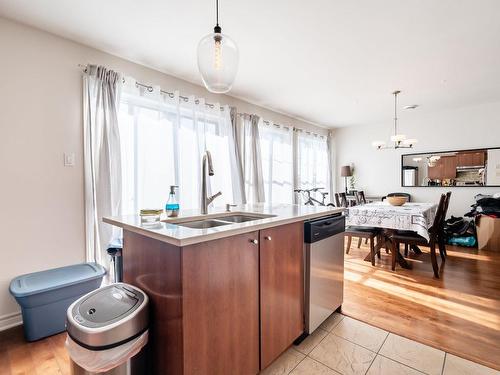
{"x":172,"y":206}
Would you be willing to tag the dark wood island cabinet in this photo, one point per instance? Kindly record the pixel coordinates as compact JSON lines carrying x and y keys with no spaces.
{"x":226,"y":306}
{"x":281,"y":289}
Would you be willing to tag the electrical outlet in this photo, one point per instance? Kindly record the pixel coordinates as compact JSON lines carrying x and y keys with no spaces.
{"x":69,"y":159}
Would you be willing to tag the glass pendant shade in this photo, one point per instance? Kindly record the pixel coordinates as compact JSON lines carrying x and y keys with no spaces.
{"x":218,"y":62}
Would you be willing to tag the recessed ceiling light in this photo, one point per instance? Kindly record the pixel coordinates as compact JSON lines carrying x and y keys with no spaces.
{"x":412,"y":106}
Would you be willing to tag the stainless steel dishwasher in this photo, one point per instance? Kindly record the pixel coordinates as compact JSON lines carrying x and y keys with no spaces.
{"x":324,"y":268}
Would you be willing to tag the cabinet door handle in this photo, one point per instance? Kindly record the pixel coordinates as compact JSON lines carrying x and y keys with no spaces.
{"x":255,"y":242}
{"x":269,"y":238}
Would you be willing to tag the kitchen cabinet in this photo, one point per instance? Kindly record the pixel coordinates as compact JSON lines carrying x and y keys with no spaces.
{"x":471,"y":159}
{"x":225,"y":306}
{"x":220,"y":281}
{"x":445,"y":168}
{"x":436,"y":172}
{"x":281,"y":289}
{"x":449,"y":170}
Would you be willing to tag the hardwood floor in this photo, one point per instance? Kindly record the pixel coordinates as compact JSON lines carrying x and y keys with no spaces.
{"x":44,"y":357}
{"x":458,"y":313}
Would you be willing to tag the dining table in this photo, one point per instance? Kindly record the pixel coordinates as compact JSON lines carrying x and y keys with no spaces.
{"x":412,"y":216}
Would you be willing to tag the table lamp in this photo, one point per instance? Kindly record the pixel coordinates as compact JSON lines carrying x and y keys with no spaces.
{"x":345,"y":172}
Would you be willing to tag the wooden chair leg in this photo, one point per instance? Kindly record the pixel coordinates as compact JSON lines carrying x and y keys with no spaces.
{"x":372,"y":250}
{"x":366,"y":241}
{"x":442,"y":249}
{"x":359,"y":242}
{"x":349,"y":239}
{"x":434,"y":259}
{"x":394,"y":250}
{"x":386,"y":245}
{"x":406,"y":249}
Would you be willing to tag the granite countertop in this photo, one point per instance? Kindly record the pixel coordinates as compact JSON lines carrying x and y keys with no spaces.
{"x":167,"y":231}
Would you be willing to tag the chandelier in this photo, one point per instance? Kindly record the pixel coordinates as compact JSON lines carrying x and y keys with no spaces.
{"x":397,"y":140}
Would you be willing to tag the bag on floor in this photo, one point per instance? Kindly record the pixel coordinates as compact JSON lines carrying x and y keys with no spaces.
{"x":104,"y":360}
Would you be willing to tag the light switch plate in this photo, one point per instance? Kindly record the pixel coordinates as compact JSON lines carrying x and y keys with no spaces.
{"x":69,"y":159}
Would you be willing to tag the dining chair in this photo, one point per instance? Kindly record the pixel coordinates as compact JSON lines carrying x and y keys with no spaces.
{"x":412,"y":238}
{"x":442,"y":234}
{"x":341,"y":200}
{"x":359,"y":232}
{"x":360,"y":197}
{"x":337,"y":200}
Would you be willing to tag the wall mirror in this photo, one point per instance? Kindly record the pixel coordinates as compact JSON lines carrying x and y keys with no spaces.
{"x":479,"y":167}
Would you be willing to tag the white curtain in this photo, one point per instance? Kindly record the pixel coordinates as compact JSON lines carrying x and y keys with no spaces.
{"x":276,"y":144}
{"x":252,"y":163}
{"x":331,"y":163}
{"x":237,"y":157}
{"x":102,"y":164}
{"x":312,"y":163}
{"x":163,"y":140}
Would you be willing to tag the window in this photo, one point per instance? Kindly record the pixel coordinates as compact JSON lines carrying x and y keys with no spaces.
{"x":277,"y":163}
{"x":312,"y":163}
{"x":163,"y":140}
{"x":162,"y":143}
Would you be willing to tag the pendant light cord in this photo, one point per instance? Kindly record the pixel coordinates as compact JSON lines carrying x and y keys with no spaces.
{"x":217,"y":28}
{"x":217,"y":12}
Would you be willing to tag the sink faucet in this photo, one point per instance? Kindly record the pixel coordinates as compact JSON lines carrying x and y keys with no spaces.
{"x":205,"y":200}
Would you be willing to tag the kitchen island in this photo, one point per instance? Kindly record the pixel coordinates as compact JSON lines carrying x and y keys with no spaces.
{"x":226,"y":289}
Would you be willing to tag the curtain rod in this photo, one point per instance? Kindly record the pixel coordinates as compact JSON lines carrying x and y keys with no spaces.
{"x":211,"y":105}
{"x":293,"y":128}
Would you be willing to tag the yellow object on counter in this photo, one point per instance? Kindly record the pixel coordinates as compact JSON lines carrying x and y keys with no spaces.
{"x":150,"y":212}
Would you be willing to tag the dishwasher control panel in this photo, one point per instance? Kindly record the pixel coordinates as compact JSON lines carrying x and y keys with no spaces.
{"x":319,"y":229}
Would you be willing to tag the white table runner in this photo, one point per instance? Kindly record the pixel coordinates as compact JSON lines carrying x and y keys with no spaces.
{"x":417,"y":217}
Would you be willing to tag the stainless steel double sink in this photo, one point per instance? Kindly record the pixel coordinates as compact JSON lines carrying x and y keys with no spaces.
{"x":219,"y":220}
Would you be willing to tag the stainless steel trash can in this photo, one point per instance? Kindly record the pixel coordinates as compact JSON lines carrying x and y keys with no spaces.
{"x":107,"y":331}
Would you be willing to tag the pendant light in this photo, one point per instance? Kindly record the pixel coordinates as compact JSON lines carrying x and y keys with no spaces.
{"x":217,"y":59}
{"x":398,"y":140}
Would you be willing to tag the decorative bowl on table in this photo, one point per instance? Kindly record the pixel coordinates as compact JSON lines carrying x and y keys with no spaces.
{"x":396,"y":201}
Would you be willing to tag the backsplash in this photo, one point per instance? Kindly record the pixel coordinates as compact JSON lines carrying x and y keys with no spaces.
{"x":468,"y":176}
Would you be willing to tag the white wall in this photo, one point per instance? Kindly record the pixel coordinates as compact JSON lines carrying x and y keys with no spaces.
{"x":378,"y":172}
{"x":42,"y":221}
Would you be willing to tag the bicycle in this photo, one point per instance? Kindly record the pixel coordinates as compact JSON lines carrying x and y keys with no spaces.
{"x":311,"y":200}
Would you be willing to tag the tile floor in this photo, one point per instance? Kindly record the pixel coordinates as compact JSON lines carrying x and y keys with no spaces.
{"x":346,"y":346}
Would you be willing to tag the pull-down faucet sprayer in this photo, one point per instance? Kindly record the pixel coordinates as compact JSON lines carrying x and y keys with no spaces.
{"x":205,"y":200}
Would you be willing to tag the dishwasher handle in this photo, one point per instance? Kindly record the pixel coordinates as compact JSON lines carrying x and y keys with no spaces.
{"x":317,"y":230}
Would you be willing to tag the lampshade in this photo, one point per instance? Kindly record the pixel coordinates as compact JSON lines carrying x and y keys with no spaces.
{"x":398,"y":137}
{"x":346,"y":171}
{"x":218,"y":62}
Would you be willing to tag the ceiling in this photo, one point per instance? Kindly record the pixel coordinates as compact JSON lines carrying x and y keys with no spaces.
{"x":330,"y":62}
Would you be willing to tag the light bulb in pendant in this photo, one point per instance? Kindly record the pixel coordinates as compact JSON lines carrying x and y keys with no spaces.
{"x":218,"y":53}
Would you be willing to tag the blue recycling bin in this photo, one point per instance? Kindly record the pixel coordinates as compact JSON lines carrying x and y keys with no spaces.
{"x":45,"y":296}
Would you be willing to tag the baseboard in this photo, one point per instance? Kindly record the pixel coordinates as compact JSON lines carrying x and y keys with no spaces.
{"x":10,"y":320}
